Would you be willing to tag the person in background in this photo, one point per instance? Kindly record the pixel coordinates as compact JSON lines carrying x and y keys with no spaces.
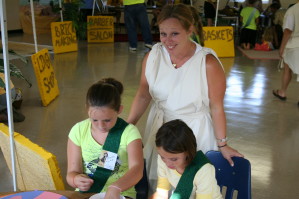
{"x":135,"y":14}
{"x":289,"y":50}
{"x":15,"y":96}
{"x":184,"y":81}
{"x":258,"y":5}
{"x":210,"y":11}
{"x":159,"y":4}
{"x":276,"y":2}
{"x":267,"y":40}
{"x":104,"y":132}
{"x":178,"y":158}
{"x":249,"y":16}
{"x":277,"y":23}
{"x":86,"y":9}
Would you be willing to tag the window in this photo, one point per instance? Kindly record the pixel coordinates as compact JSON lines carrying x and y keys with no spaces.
{"x":264,"y":1}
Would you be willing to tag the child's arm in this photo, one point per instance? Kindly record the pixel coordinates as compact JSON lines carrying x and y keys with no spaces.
{"x":75,"y":176}
{"x":206,"y":183}
{"x":163,"y":185}
{"x":133,"y":175}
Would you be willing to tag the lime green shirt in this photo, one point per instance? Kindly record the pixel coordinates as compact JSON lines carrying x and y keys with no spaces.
{"x":132,"y":2}
{"x":245,"y":13}
{"x":81,"y":136}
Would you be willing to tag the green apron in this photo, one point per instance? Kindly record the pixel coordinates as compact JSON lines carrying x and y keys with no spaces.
{"x":185,"y":185}
{"x":112,"y":142}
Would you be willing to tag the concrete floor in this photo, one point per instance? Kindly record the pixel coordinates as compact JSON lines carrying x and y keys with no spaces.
{"x":263,"y":128}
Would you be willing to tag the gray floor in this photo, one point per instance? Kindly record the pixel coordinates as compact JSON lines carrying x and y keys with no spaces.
{"x":263,"y":128}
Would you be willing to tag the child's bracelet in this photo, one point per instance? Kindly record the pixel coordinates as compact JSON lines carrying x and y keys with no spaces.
{"x":113,"y":186}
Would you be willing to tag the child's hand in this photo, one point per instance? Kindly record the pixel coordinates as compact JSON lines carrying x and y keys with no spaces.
{"x":112,"y":193}
{"x":83,"y":182}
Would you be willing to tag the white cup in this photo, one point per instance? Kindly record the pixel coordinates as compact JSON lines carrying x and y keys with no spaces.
{"x":102,"y":195}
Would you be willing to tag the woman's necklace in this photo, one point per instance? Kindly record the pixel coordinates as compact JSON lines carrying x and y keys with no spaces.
{"x":177,"y":65}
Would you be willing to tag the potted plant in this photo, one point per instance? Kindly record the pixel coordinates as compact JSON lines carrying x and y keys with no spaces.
{"x":17,"y":98}
{"x":71,"y":12}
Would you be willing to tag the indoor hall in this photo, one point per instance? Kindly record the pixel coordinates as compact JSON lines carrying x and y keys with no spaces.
{"x":260,"y":126}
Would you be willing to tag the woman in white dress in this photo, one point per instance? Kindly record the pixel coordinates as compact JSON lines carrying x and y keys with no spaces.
{"x":184,"y":81}
{"x":289,"y":50}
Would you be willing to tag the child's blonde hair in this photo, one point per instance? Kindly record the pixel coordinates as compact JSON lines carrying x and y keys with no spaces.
{"x":268,"y":34}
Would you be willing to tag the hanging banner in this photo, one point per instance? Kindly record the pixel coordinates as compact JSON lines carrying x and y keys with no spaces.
{"x":220,"y":39}
{"x":100,"y":29}
{"x":44,"y":72}
{"x":64,"y":37}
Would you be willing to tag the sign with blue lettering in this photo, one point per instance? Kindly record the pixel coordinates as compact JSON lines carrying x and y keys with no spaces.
{"x":220,"y":39}
{"x":100,"y":29}
{"x":44,"y":72}
{"x":64,"y":37}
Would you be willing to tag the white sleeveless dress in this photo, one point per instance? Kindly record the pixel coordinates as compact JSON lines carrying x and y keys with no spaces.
{"x":177,"y":94}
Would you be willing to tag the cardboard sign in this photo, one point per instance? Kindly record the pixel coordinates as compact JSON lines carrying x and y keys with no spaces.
{"x":64,"y":37}
{"x":100,"y":29}
{"x":47,"y":83}
{"x":220,"y":39}
{"x":36,"y":168}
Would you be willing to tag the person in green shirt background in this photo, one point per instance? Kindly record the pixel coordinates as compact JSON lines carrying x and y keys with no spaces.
{"x":249,"y":17}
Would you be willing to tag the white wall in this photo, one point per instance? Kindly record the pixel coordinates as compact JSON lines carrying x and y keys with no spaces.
{"x":12,"y":15}
{"x":12,"y":12}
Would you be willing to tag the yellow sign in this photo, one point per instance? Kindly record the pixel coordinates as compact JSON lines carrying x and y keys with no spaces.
{"x":44,"y":72}
{"x":220,"y":39}
{"x":100,"y":29}
{"x":64,"y":37}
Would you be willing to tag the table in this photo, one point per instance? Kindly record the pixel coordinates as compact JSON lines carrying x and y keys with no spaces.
{"x":235,"y":24}
{"x":68,"y":194}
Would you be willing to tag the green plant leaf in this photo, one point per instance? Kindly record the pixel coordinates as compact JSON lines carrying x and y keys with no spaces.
{"x":22,"y":58}
{"x":2,"y":84}
{"x":14,"y":70}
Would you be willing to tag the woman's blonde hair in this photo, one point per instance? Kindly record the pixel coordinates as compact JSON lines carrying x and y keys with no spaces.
{"x":180,"y":12}
{"x":197,"y":25}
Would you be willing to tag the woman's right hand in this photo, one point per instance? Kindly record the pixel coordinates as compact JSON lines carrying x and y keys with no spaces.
{"x":83,"y":182}
{"x":229,"y":152}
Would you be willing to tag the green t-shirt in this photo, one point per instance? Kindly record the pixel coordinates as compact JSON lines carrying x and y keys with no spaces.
{"x":132,"y":2}
{"x":80,"y":135}
{"x":245,"y":13}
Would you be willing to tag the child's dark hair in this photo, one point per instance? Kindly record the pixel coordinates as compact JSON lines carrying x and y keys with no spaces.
{"x":176,"y":137}
{"x":275,"y":6}
{"x":251,"y":2}
{"x":106,"y":92}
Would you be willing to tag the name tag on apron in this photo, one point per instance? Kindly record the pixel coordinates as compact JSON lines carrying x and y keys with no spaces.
{"x":107,"y":160}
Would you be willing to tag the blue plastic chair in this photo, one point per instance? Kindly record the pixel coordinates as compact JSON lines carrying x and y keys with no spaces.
{"x":236,"y":178}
